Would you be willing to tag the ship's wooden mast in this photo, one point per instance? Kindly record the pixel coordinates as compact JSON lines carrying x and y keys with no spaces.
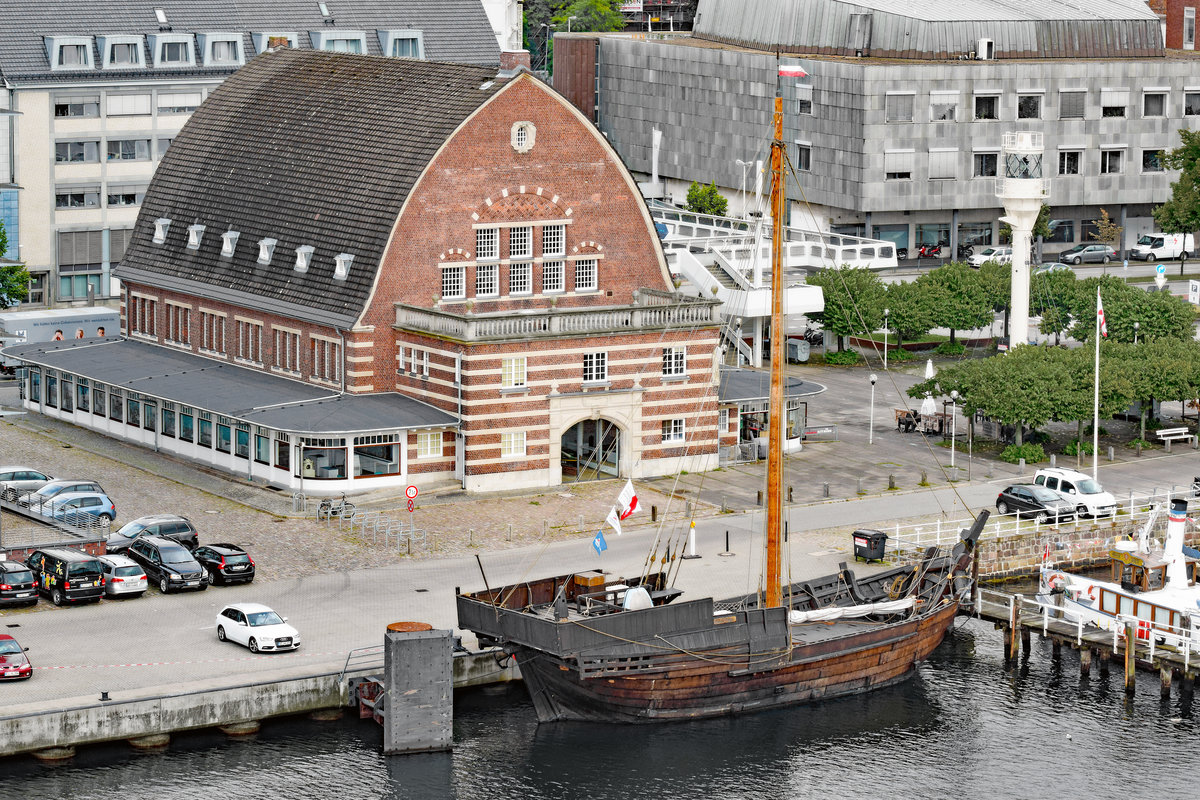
{"x":776,"y":410}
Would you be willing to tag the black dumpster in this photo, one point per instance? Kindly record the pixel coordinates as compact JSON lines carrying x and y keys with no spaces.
{"x":869,"y":545}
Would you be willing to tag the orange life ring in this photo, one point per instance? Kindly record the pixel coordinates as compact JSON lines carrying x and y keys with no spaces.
{"x":1091,"y":592}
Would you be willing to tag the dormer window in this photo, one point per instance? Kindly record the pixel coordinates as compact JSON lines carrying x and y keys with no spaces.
{"x":220,"y":49}
{"x":266,"y":249}
{"x":69,"y":52}
{"x":229,"y":243}
{"x":303,"y":257}
{"x":195,"y":234}
{"x":271,"y":40}
{"x":173,"y":49}
{"x":402,"y":44}
{"x":339,"y":41}
{"x":341,"y":267}
{"x":120,"y":52}
{"x":161,"y":226}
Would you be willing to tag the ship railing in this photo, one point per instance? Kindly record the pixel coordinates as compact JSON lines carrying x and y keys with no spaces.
{"x":1134,"y":509}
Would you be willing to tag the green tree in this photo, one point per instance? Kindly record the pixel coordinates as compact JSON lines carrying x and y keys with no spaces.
{"x":1051,"y":295}
{"x":995,"y":279}
{"x":1107,"y":231}
{"x":910,"y":313}
{"x":1160,"y":315}
{"x":854,"y":301}
{"x":706,"y":200}
{"x":589,"y":15}
{"x":14,"y":278}
{"x":1181,"y":214}
{"x":957,"y":298}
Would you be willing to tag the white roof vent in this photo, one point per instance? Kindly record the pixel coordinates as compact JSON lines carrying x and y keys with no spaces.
{"x":342,"y":263}
{"x":161,"y":226}
{"x":195,"y":234}
{"x":228,"y":243}
{"x":303,"y":257}
{"x":266,"y":249}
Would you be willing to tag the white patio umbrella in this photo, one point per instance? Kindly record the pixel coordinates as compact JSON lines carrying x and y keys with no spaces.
{"x":927,"y":405}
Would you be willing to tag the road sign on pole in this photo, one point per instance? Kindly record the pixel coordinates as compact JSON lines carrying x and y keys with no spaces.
{"x":1160,"y":275}
{"x":411,"y":492}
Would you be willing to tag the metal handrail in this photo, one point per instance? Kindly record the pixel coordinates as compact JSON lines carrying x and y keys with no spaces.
{"x":359,"y":654}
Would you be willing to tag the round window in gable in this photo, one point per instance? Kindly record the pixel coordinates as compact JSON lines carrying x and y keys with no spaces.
{"x":523,"y":135}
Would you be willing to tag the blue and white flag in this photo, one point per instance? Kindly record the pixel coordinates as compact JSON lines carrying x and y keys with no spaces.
{"x":598,"y":543}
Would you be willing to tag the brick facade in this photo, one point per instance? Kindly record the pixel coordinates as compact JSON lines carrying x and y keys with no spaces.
{"x":1174,"y":12}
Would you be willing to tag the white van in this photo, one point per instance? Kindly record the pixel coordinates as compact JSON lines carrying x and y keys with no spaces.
{"x":1087,"y":495}
{"x":1162,"y":246}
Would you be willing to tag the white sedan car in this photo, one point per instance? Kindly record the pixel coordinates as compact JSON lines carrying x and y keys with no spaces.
{"x":257,"y":627}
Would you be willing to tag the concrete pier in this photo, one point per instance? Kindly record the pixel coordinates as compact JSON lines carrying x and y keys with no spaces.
{"x":418,"y":676}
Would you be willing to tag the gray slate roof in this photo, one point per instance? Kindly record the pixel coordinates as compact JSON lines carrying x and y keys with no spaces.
{"x":453,"y":30}
{"x":308,"y":148}
{"x":745,"y":385}
{"x":230,"y":390}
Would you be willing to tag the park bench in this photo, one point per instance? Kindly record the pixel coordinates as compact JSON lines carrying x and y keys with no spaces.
{"x":1168,"y":435}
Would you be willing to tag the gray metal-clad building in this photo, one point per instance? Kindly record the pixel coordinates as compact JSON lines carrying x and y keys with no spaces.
{"x":902,"y":148}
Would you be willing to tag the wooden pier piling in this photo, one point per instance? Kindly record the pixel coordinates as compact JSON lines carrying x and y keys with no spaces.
{"x":1130,"y":658}
{"x":1166,"y":677}
{"x":1085,"y":661}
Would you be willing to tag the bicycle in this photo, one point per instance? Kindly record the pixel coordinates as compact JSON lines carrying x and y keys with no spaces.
{"x":328,"y":508}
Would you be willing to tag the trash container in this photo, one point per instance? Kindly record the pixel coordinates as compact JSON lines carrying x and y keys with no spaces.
{"x":869,"y":545}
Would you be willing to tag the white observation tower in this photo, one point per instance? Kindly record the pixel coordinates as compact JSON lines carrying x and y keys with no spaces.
{"x":1022,"y":190}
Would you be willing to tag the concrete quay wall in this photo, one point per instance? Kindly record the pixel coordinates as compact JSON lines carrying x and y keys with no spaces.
{"x":140,"y":718}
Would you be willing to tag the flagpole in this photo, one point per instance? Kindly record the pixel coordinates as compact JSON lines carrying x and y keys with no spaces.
{"x":1096,"y":399}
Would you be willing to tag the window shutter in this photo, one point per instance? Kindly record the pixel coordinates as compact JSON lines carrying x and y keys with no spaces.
{"x":943,"y":164}
{"x":898,"y":161}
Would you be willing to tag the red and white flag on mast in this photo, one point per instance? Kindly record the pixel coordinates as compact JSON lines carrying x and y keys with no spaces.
{"x":792,"y":71}
{"x":1100,"y":314}
{"x":627,"y":504}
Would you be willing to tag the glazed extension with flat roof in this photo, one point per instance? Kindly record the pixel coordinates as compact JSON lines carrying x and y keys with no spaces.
{"x":930,"y":29}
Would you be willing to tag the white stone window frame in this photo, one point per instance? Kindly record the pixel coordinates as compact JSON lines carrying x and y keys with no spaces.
{"x":893,"y":97}
{"x":320,"y":40}
{"x":487,"y":280}
{"x":804,"y":155}
{"x":804,"y":95}
{"x":454,"y":282}
{"x":249,"y":340}
{"x":1187,"y":41}
{"x":1107,"y":154}
{"x":1064,"y":149}
{"x":487,"y":243}
{"x":286,"y":349}
{"x":584,"y":267}
{"x":595,"y":367}
{"x":512,"y":444}
{"x":520,"y":278}
{"x":212,"y":324}
{"x":523,"y":136}
{"x":388,"y":39}
{"x":176,"y":310}
{"x":943,"y":163}
{"x":514,"y":372}
{"x":208,"y":42}
{"x":1041,"y":110}
{"x":673,"y":431}
{"x":550,"y":248}
{"x":985,"y":94}
{"x":54,"y":51}
{"x":674,"y":361}
{"x":520,"y":241}
{"x":1164,"y":92}
{"x":556,"y":268}
{"x":945,"y":99}
{"x":108,"y":43}
{"x":262,"y":39}
{"x":430,"y":444}
{"x":159,"y":40}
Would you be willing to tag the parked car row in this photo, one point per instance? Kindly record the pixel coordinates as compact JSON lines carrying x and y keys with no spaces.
{"x":1057,"y":494}
{"x":75,"y":502}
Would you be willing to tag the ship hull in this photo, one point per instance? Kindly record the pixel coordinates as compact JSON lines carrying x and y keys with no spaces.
{"x":721,"y":681}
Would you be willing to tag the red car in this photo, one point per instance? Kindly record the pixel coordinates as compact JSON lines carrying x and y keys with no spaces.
{"x":14,"y":664}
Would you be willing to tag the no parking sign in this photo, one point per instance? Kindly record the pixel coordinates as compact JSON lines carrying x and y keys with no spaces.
{"x":411,"y":494}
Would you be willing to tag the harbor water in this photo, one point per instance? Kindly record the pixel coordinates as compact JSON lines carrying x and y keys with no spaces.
{"x":964,"y":726}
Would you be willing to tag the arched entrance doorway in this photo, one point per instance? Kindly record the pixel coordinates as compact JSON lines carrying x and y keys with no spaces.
{"x":591,"y":449}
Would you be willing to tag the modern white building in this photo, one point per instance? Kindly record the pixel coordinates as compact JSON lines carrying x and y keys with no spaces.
{"x":94,"y":94}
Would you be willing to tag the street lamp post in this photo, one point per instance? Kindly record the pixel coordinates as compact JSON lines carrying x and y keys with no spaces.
{"x":743,"y":165}
{"x":569,"y":23}
{"x":546,"y":46}
{"x":1135,"y":332}
{"x":953,"y":426}
{"x":871,"y":425}
{"x":885,"y":339}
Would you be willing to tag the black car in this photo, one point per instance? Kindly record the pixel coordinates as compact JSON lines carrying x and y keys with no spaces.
{"x":66,"y":575}
{"x":16,"y":585}
{"x":169,"y":526}
{"x":225,"y":563}
{"x":167,"y":564}
{"x":1037,"y":502}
